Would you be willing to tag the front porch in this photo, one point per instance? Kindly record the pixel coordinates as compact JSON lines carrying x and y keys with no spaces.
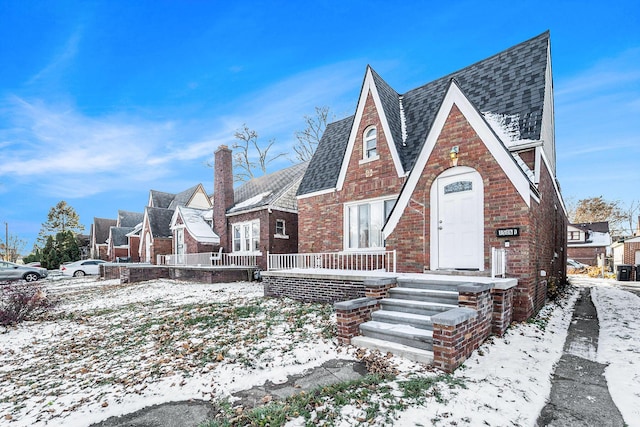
{"x":432,"y":318}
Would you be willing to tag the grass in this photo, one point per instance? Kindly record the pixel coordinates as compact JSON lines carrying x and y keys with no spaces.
{"x":377,"y":398}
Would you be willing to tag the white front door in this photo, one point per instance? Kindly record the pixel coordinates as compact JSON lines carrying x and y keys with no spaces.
{"x":459,"y":221}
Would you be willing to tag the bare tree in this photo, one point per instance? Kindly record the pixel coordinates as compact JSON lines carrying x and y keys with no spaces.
{"x":250,"y":158}
{"x":597,"y":209}
{"x":309,"y":137}
{"x":632,"y":213}
{"x":12,"y":249}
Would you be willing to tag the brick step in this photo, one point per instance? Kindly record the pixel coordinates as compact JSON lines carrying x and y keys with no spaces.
{"x":428,"y":295}
{"x":415,"y":307}
{"x":401,"y":334}
{"x":400,"y":318}
{"x":410,"y":353}
{"x":442,"y":285}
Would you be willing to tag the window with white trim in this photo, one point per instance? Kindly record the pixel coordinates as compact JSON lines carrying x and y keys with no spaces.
{"x":281,"y":230}
{"x":364,"y":222}
{"x":246,"y":236}
{"x":370,"y":151}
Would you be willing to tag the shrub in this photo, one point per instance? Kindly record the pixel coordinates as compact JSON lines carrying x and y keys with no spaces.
{"x":21,"y":301}
{"x":556,"y":288}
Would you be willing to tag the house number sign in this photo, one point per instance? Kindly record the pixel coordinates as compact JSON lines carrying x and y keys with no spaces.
{"x":508,"y":232}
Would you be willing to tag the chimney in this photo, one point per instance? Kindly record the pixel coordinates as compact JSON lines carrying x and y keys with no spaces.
{"x":222,"y":193}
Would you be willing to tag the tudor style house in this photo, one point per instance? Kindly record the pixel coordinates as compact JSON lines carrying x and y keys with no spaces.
{"x":445,"y":172}
{"x":99,"y":236}
{"x":156,"y":233}
{"x":119,"y":242}
{"x":261,"y":215}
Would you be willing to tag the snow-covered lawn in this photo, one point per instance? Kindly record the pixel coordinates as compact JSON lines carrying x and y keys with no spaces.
{"x":110,"y":349}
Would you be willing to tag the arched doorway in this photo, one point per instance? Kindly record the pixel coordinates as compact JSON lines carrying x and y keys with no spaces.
{"x":457,"y":220}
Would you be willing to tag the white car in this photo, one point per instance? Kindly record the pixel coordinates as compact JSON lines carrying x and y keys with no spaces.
{"x":81,"y":268}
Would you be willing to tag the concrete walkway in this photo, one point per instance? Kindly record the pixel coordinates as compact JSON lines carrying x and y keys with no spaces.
{"x":196,"y":412}
{"x":579,"y":393}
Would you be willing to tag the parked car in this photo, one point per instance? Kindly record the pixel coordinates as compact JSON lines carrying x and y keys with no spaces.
{"x":12,"y":271}
{"x":571,"y":263}
{"x":34,"y":264}
{"x":81,"y":268}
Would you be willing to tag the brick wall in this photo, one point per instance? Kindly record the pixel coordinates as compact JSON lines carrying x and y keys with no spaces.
{"x":135,"y":274}
{"x":312,"y":287}
{"x":587,"y":256}
{"x":321,"y":217}
{"x":630,"y":249}
{"x":134,"y":247}
{"x":279,"y":245}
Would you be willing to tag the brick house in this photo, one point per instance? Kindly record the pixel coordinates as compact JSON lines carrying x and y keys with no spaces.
{"x":445,"y":172}
{"x":261,"y":215}
{"x":156,"y":235}
{"x":587,"y":242}
{"x":193,"y":231}
{"x":119,"y":240}
{"x":99,"y":235}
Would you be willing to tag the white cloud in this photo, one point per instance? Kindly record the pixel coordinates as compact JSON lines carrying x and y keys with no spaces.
{"x":60,"y":150}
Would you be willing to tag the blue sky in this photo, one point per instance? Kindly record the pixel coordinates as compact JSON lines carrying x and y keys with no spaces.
{"x":102,"y":101}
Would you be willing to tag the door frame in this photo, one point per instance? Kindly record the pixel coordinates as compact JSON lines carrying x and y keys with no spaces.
{"x":434,"y":211}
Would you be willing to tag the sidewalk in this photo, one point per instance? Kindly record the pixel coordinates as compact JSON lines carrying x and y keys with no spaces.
{"x":579,"y":393}
{"x":193,"y":413}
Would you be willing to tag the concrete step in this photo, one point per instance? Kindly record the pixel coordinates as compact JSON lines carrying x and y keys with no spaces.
{"x":442,"y":285}
{"x":410,"y":353}
{"x":415,"y":307}
{"x":400,"y":318}
{"x":401,"y":334}
{"x":428,"y":295}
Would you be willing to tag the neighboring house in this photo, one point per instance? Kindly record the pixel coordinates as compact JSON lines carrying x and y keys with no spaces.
{"x":99,"y":236}
{"x":156,"y":235}
{"x":588,"y":242}
{"x":119,"y":241}
{"x":193,"y":231}
{"x":445,"y":172}
{"x":261,"y":215}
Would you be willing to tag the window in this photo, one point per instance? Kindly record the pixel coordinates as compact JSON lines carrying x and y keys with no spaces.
{"x":364,"y":222}
{"x":574,"y":235}
{"x":246,"y":236}
{"x":370,"y":143}
{"x":281,"y":231}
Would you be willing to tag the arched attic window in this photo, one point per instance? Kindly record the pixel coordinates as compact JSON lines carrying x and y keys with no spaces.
{"x":370,"y":150}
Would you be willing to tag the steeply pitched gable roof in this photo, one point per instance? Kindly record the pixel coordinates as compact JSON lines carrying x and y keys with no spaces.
{"x":183,"y":197}
{"x":510,"y":83}
{"x":159,"y":221}
{"x":598,"y":227}
{"x":101,"y":229}
{"x":129,"y":219}
{"x":160,"y":199}
{"x":275,"y":190}
{"x":118,"y":235}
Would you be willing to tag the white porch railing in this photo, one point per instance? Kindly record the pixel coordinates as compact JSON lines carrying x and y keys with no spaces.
{"x":383,"y":260}
{"x":209,"y":259}
{"x":498,"y":262}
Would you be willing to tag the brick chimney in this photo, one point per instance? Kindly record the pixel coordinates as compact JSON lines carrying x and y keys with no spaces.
{"x":222,"y":193}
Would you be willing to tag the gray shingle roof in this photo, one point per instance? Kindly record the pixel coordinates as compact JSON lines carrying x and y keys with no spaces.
{"x":324,"y":166}
{"x":278,"y":190}
{"x":182,"y":198}
{"x":599,"y":227}
{"x":510,"y":83}
{"x":129,"y":219}
{"x":161,"y":199}
{"x":101,"y":229}
{"x":119,"y":235}
{"x":160,"y":221}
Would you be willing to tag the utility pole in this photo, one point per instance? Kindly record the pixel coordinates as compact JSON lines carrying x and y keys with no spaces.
{"x":6,"y":241}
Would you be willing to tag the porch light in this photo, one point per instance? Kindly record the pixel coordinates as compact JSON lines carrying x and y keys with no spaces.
{"x":453,"y":154}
